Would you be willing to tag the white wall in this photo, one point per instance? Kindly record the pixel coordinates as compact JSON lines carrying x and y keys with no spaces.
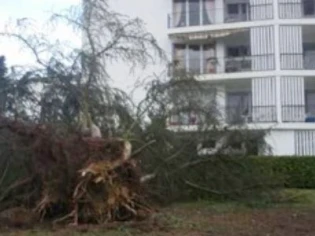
{"x":281,"y":142}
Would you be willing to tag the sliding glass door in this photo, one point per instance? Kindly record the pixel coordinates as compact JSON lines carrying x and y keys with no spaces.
{"x":194,"y":59}
{"x":193,"y":12}
{"x":179,"y":13}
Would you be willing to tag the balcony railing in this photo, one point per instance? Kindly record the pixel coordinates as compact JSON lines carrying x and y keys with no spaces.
{"x":293,"y":113}
{"x":185,"y":118}
{"x":251,"y":114}
{"x":234,"y":115}
{"x":263,"y":11}
{"x":296,"y":10}
{"x":297,"y":61}
{"x":224,"y":65}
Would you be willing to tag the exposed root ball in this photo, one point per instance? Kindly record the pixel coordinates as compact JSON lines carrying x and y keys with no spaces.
{"x":73,"y":179}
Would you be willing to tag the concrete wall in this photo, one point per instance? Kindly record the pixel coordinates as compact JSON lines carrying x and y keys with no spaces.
{"x":281,"y":142}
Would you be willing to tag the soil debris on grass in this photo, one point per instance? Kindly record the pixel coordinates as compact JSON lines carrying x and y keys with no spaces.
{"x":203,"y":219}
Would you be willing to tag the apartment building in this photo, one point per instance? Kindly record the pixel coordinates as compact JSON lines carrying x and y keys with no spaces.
{"x":260,"y":57}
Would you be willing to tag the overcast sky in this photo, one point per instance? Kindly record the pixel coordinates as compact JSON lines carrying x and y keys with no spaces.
{"x":40,"y":10}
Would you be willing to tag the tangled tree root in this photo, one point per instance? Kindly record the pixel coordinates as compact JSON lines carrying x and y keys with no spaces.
{"x":74,"y":179}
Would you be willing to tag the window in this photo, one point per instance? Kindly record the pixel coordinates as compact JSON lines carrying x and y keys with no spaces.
{"x":208,"y":9}
{"x":188,"y":13}
{"x":310,"y":102}
{"x":308,"y":47}
{"x":194,"y":12}
{"x":179,"y":13}
{"x":309,"y":7}
{"x":239,"y":99}
{"x":197,"y":62}
{"x":237,"y":59}
{"x":237,"y":51}
{"x":194,"y":59}
{"x":244,"y":8}
{"x":179,"y":55}
{"x":237,"y":12}
{"x":238,"y":106}
{"x":232,"y":9}
{"x":309,"y":56}
{"x":210,"y":60}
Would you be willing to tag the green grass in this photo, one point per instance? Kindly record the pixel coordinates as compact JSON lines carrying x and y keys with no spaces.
{"x":300,"y":196}
{"x":201,"y":216}
{"x":212,"y":206}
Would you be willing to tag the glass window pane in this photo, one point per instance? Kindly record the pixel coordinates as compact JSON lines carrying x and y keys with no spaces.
{"x":208,"y":12}
{"x":179,"y":55}
{"x":244,"y":8}
{"x":310,"y":102}
{"x":210,"y":60}
{"x":233,"y":52}
{"x":194,"y":59}
{"x":179,"y":13}
{"x":309,"y":7}
{"x":232,"y":9}
{"x":194,"y":12}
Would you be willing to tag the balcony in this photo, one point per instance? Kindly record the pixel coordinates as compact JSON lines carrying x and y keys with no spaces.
{"x":296,"y":10}
{"x":298,"y":61}
{"x":293,"y":113}
{"x":216,"y":65}
{"x":297,"y":113}
{"x":184,"y":118}
{"x":234,"y":116}
{"x":297,"y":49}
{"x":250,"y":114}
{"x":208,"y":14}
{"x":298,"y":99}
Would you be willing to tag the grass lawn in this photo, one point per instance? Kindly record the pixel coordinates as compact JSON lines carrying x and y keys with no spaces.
{"x":296,"y":218}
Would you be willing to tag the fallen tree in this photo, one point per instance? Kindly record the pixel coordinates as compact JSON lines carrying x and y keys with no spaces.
{"x":75,"y":179}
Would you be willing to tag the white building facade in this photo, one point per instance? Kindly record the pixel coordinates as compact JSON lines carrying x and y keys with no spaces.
{"x":260,"y":56}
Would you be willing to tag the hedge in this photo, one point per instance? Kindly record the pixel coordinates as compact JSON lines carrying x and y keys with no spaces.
{"x":298,"y":172}
{"x":237,"y":178}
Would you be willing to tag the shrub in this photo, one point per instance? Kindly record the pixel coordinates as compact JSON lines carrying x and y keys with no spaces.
{"x":241,"y":178}
{"x":219,"y":178}
{"x":298,"y":172}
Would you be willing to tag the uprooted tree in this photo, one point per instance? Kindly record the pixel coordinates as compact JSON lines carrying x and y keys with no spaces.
{"x":55,"y":160}
{"x":71,"y":143}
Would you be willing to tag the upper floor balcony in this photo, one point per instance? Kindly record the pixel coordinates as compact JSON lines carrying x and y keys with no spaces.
{"x":296,"y":9}
{"x":297,"y":48}
{"x":230,"y":54}
{"x":233,"y":103}
{"x":188,"y":13}
{"x":298,"y":99}
{"x":228,"y":64}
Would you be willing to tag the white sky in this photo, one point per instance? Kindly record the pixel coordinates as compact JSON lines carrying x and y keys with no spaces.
{"x":40,"y":10}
